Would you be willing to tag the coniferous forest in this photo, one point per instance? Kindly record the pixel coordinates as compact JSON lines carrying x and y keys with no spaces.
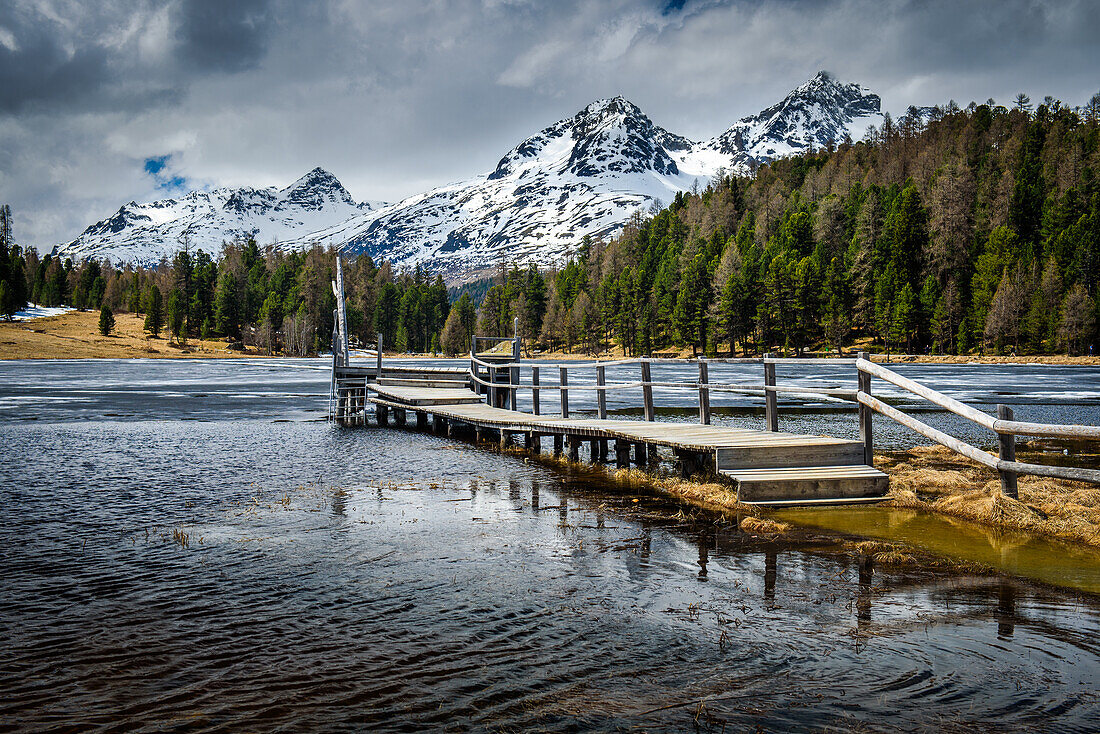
{"x":966,"y":231}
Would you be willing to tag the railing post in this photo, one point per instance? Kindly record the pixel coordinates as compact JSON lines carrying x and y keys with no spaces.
{"x":563,"y":375}
{"x":647,"y":390}
{"x":601,"y":395}
{"x":866,"y":434}
{"x":535,"y":388}
{"x":378,"y":359}
{"x":513,"y":372}
{"x":1007,"y":452}
{"x":704,"y":393}
{"x":771,"y":400}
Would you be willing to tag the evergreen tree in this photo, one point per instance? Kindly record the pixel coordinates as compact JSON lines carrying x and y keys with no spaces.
{"x":227,"y":312}
{"x":154,"y":311}
{"x":106,"y":320}
{"x":177,"y":315}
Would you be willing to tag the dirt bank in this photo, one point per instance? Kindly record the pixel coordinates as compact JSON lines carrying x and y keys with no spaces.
{"x":75,"y":335}
{"x":938,"y":480}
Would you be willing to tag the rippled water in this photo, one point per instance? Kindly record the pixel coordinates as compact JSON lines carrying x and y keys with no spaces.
{"x":184,"y":546}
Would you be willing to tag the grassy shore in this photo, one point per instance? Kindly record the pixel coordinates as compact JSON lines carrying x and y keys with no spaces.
{"x":75,"y":335}
{"x":935,"y":479}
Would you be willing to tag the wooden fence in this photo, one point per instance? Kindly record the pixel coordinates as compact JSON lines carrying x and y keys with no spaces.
{"x":499,"y":381}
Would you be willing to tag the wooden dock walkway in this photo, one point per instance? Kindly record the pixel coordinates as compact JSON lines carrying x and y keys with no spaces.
{"x":765,"y":467}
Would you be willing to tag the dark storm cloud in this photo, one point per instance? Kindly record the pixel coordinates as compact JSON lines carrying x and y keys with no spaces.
{"x":43,"y":65}
{"x":224,"y":36}
{"x":123,"y":54}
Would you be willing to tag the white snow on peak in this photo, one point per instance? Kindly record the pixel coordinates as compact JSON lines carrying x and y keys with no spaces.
{"x":585,"y":175}
{"x":146,"y":233}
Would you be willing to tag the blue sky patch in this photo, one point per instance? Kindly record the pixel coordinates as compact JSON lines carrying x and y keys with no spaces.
{"x":165,"y":179}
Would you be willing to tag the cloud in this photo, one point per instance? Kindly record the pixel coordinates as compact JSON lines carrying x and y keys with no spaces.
{"x":220,"y":36}
{"x":396,"y":97}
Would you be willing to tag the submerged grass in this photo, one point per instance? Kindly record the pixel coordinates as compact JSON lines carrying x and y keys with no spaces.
{"x":936,"y":479}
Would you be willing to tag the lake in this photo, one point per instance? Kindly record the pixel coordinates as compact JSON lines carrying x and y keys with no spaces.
{"x":190,"y":545}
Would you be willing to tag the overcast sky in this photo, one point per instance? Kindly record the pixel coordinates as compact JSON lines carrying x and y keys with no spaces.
{"x":107,"y":101}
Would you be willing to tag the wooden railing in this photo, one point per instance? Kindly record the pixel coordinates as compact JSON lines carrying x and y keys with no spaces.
{"x":487,"y":375}
{"x":1003,"y":425}
{"x":502,"y":393}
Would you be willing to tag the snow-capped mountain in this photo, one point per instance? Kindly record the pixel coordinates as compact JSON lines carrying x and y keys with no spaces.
{"x":587,"y":175}
{"x":144,"y":233}
{"x":818,"y":112}
{"x":584,"y":175}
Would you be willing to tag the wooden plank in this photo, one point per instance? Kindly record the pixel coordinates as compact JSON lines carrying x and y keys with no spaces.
{"x":800,"y":455}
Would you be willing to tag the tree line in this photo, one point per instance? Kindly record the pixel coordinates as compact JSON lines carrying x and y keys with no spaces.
{"x":973,"y":230}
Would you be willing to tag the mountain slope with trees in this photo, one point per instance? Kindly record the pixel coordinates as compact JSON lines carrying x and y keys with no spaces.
{"x":959,"y":231}
{"x":951,"y":230}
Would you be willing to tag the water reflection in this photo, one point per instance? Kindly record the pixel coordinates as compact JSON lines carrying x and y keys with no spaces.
{"x":1006,"y":610}
{"x":771,"y":563}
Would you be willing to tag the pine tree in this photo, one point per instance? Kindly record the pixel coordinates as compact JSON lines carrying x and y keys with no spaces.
{"x":227,"y":313}
{"x":106,"y":320}
{"x":154,"y":311}
{"x":177,"y":316}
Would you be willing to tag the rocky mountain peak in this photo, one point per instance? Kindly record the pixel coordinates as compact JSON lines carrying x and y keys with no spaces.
{"x":813,"y":114}
{"x":615,"y":135}
{"x":315,"y":189}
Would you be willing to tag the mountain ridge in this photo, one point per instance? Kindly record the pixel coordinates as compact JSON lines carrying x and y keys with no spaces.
{"x":584,"y":175}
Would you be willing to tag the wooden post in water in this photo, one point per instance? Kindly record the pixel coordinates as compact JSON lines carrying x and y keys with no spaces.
{"x":647,"y":391}
{"x":563,"y":375}
{"x":573,"y":444}
{"x":378,"y":360}
{"x":513,"y":372}
{"x":622,"y":453}
{"x":771,"y":400}
{"x":558,"y":443}
{"x":704,"y":393}
{"x":535,"y":389}
{"x":601,"y":395}
{"x":866,"y":425}
{"x":1007,"y":452}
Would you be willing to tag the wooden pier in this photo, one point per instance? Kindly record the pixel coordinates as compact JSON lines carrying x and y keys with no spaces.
{"x":766,"y":467}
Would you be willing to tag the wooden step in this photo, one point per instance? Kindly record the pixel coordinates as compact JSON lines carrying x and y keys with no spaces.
{"x":791,"y":484}
{"x":427,"y":396}
{"x":823,"y":452}
{"x":424,"y":382}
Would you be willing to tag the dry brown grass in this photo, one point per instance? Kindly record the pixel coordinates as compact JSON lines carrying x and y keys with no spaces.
{"x":75,"y":335}
{"x":936,"y":479}
{"x":762,"y":526}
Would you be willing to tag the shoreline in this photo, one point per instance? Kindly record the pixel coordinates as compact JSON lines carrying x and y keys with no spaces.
{"x":930,"y":479}
{"x":75,"y":335}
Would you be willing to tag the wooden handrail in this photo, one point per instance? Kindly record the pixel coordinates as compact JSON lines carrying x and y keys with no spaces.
{"x":1003,"y":426}
{"x":951,"y":404}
